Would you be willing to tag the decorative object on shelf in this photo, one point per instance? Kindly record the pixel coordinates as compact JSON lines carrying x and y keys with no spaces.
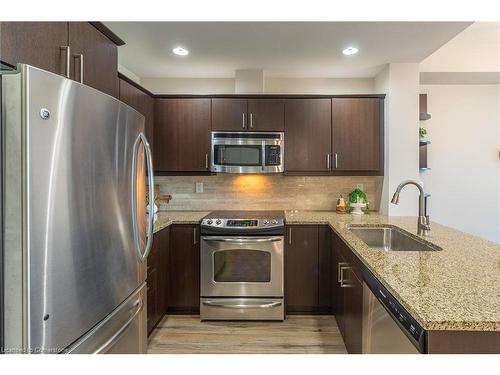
{"x":341,"y":206}
{"x":357,"y":201}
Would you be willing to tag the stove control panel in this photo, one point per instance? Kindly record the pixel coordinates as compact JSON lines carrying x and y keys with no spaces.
{"x":242,"y":223}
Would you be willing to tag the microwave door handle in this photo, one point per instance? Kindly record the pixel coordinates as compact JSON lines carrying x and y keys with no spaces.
{"x":263,"y":155}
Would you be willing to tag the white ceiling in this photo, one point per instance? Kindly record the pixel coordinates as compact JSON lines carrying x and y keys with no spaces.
{"x":282,"y":49}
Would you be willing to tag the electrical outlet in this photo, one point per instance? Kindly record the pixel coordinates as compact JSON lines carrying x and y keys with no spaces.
{"x":199,"y":187}
{"x":360,"y":187}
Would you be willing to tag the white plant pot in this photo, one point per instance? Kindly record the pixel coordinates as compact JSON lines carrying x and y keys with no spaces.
{"x":357,"y":208}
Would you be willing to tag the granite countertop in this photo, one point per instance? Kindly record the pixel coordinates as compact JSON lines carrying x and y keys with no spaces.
{"x":166,"y":218}
{"x":457,"y":288}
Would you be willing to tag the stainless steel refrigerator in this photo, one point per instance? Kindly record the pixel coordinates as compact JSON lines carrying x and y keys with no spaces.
{"x":76,"y":232}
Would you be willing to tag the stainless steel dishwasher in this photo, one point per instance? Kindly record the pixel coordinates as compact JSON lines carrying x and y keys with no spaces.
{"x":387,"y":327}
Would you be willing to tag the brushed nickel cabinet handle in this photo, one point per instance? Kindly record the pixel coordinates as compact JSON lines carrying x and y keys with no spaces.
{"x":80,"y":57}
{"x":195,"y":236}
{"x":336,"y":160}
{"x":206,"y":161}
{"x":67,"y":50}
{"x":251,"y":120}
{"x":327,"y":161}
{"x":243,"y":119}
{"x":339,"y":271}
{"x":290,"y":235}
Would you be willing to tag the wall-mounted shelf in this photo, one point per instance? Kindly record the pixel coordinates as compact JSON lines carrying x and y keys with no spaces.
{"x":424,"y":142}
{"x":423,"y":169}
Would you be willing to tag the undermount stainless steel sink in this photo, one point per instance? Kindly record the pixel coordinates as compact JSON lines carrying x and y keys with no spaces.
{"x":389,"y":238}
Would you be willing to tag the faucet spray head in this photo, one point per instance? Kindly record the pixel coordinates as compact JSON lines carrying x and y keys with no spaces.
{"x":395,"y":198}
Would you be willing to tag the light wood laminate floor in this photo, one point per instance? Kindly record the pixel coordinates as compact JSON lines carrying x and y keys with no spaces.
{"x":185,"y":334}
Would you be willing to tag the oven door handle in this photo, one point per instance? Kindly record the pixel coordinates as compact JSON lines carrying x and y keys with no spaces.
{"x":242,"y":240}
{"x":242,"y":306}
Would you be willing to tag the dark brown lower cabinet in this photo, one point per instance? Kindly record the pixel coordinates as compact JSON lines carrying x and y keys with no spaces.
{"x":308,"y":285}
{"x":184,"y":269}
{"x":156,"y":281}
{"x":347,"y":294}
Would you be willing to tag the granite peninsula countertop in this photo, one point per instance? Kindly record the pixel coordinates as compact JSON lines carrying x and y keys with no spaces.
{"x":457,"y":288}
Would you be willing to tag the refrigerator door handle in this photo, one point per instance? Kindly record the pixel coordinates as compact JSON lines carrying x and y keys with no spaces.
{"x":149,"y":161}
{"x":123,"y":328}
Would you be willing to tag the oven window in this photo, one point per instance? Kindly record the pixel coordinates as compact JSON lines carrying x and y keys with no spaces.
{"x":244,"y":155}
{"x":233,"y":266}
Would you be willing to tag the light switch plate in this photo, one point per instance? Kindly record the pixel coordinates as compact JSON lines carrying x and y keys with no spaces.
{"x":199,"y":187}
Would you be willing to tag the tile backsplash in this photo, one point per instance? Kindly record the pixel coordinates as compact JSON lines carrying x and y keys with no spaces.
{"x":263,"y":192}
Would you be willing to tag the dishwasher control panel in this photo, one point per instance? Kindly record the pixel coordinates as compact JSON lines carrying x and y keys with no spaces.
{"x":407,"y":323}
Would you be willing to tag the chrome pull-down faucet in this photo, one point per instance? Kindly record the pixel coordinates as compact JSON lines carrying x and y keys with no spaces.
{"x":423,"y":223}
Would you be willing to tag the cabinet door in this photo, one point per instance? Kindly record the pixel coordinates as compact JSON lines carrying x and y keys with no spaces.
{"x":266,"y":114}
{"x":34,"y":43}
{"x":302,"y":269}
{"x":163,"y":237}
{"x":337,"y":290}
{"x":100,"y":57}
{"x":325,"y":269}
{"x":357,"y":137}
{"x":141,"y":102}
{"x":152,"y":282}
{"x":307,"y":135}
{"x":184,"y":269}
{"x":229,"y":114}
{"x":182,"y":135}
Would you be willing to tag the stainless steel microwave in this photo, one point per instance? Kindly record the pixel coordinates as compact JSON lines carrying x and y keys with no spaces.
{"x":247,"y":152}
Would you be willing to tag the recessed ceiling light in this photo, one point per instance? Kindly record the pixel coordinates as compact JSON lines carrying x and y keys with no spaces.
{"x":350,"y":51}
{"x":180,"y":51}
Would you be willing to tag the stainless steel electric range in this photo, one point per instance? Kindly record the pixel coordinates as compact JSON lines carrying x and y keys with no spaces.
{"x":242,"y":267}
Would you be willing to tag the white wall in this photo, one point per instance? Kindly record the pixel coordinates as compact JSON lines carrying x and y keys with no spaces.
{"x":401,"y":84}
{"x":272,"y":85}
{"x":476,"y":49}
{"x":326,"y":86}
{"x":464,"y":156}
{"x":189,"y":85}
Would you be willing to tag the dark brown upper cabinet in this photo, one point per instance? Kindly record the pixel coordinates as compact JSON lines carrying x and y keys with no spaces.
{"x":239,"y":114}
{"x":182,"y":135}
{"x":140,"y":101}
{"x":98,"y":56}
{"x":266,"y":114}
{"x":229,"y":114}
{"x":34,"y":43}
{"x":357,"y":134}
{"x":53,"y":45}
{"x":308,"y":135}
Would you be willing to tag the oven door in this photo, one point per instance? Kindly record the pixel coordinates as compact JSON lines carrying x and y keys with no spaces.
{"x":241,"y":266}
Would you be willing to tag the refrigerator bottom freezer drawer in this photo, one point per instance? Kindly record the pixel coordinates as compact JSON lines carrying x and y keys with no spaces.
{"x":121,"y":332}
{"x":242,"y":309}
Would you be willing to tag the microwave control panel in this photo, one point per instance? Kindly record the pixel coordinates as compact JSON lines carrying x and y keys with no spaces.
{"x":273,"y":155}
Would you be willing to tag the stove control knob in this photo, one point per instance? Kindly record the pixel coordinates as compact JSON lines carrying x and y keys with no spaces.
{"x":209,"y":221}
{"x":266,"y":222}
{"x":218,"y":221}
{"x":275,"y":222}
